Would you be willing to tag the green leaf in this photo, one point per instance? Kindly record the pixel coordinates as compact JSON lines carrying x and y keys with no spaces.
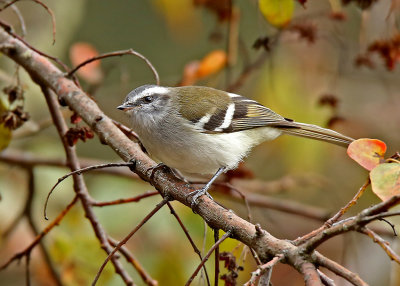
{"x":385,"y":180}
{"x":277,"y":12}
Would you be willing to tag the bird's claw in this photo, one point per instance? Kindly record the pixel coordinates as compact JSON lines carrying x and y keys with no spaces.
{"x":196,"y":194}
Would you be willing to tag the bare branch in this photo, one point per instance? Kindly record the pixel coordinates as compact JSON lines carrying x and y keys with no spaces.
{"x":79,"y":184}
{"x":262,"y":269}
{"x":325,"y":279}
{"x":126,"y":201}
{"x":339,"y":270}
{"x":119,"y":53}
{"x":225,"y":236}
{"x":195,"y":248}
{"x":19,"y":16}
{"x":53,"y":18}
{"x":29,"y":160}
{"x":37,"y":239}
{"x":382,"y":243}
{"x":132,"y":260}
{"x":79,"y":172}
{"x":122,"y":242}
{"x":335,"y":218}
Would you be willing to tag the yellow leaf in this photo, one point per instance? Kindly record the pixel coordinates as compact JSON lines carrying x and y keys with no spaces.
{"x":277,"y":12}
{"x":385,"y":180}
{"x":5,"y":137}
{"x":179,"y":14}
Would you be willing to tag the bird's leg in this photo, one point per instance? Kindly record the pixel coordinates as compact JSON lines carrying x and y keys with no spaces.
{"x":203,"y":191}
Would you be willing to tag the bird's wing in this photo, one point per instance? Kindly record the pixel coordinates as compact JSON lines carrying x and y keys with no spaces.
{"x":240,"y":114}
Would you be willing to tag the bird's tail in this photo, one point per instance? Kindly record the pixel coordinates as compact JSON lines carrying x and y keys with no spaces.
{"x":317,"y":133}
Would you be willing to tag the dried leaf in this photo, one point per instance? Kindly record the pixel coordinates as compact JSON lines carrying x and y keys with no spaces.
{"x":367,"y":152}
{"x":190,"y":73}
{"x":389,"y":50}
{"x":221,"y":8}
{"x":306,"y":31}
{"x":75,"y":133}
{"x":328,"y":99}
{"x":212,"y":63}
{"x":385,"y":180}
{"x":91,"y":72}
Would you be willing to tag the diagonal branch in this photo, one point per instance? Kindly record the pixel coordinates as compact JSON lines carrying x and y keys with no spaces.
{"x":118,"y":53}
{"x":79,"y":184}
{"x":39,"y":237}
{"x":339,"y":270}
{"x":382,"y":243}
{"x":125,"y":240}
{"x":225,"y":236}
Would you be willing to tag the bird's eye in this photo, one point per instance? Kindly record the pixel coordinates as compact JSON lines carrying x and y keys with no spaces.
{"x":148,"y":99}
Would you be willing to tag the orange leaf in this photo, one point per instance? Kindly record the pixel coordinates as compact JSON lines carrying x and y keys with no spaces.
{"x":81,"y":52}
{"x":385,"y":180}
{"x":190,"y":73}
{"x":212,"y":63}
{"x":367,"y":152}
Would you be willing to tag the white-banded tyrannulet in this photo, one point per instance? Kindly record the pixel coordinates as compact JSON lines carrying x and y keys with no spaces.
{"x":202,"y":130}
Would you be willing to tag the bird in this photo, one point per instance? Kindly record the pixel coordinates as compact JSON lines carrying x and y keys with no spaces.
{"x":201,"y":130}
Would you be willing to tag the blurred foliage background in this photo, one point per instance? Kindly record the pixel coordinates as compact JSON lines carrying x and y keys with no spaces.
{"x":292,"y":76}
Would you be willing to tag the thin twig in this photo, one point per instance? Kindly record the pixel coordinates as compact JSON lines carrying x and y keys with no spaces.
{"x":126,"y":238}
{"x":287,"y":206}
{"x":244,"y":198}
{"x":216,"y":254}
{"x":127,"y":131}
{"x":79,"y":184}
{"x":53,"y":18}
{"x":19,"y":16}
{"x":27,"y":160}
{"x":118,"y":53}
{"x":8,"y":29}
{"x":28,"y":213}
{"x":135,"y":263}
{"x":263,"y":269}
{"x":126,"y":201}
{"x":351,"y":203}
{"x":37,"y":239}
{"x":225,"y":236}
{"x":339,"y":270}
{"x":382,"y":243}
{"x":185,"y":230}
{"x":325,"y":279}
{"x":335,"y":218}
{"x":79,"y":172}
{"x":248,"y":70}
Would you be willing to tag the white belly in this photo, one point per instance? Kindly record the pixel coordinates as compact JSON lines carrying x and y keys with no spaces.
{"x":200,"y":153}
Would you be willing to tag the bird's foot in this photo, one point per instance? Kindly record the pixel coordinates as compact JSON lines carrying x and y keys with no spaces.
{"x":196,"y":194}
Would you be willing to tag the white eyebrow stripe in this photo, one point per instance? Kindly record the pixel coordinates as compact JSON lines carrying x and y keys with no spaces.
{"x":228,"y":118}
{"x":154,"y":90}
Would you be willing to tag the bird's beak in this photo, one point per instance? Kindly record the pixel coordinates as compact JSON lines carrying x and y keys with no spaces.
{"x":121,"y":107}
